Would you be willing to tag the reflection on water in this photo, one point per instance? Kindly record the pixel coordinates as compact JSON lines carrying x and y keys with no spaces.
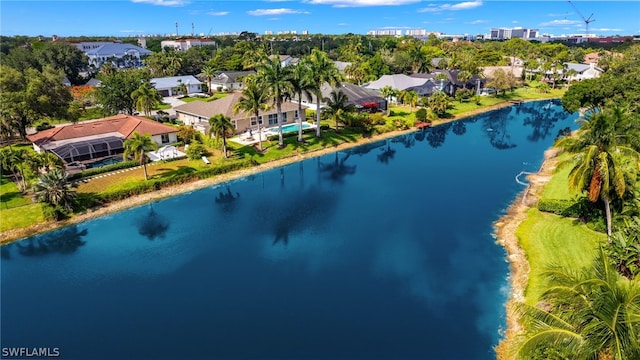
{"x":63,"y":241}
{"x":437,"y":134}
{"x":153,"y":225}
{"x":338,"y":169}
{"x":387,"y":154}
{"x":494,"y":125}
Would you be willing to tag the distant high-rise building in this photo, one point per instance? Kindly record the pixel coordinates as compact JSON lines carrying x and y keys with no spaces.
{"x":511,"y":33}
{"x":385,"y":32}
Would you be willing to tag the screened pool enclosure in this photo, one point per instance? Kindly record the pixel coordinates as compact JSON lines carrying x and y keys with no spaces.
{"x":88,"y":149}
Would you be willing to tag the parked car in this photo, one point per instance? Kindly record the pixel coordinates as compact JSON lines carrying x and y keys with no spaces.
{"x":487,"y":91}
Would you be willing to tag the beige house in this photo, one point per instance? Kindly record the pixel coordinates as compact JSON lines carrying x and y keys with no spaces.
{"x":197,"y":114}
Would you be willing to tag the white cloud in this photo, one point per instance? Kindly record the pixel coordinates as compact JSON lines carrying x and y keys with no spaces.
{"x":272,"y":12}
{"x":466,"y":5}
{"x":563,"y":22}
{"x":163,"y":2}
{"x":360,"y":3}
{"x":476,"y":22}
{"x":342,"y":24}
{"x":218,"y":13}
{"x":608,"y":29}
{"x":559,"y":15}
{"x":514,"y":21}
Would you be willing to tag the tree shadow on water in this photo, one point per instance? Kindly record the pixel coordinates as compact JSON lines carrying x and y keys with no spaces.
{"x":337,"y":170}
{"x":63,"y":241}
{"x":387,"y":154}
{"x":153,"y":225}
{"x":437,"y":134}
{"x":227,"y":199}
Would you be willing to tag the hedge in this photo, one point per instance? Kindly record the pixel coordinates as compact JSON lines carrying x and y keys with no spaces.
{"x":157,"y":184}
{"x":104,"y":169}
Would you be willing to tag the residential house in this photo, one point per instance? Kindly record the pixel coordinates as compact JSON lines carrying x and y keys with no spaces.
{"x":397,"y":82}
{"x":582,"y":71}
{"x":198,"y":113}
{"x":361,"y":98}
{"x":119,"y":54}
{"x":171,"y":86}
{"x":93,"y":139}
{"x":286,"y":59}
{"x":229,"y":80}
{"x":488,"y":71}
{"x":341,"y":66}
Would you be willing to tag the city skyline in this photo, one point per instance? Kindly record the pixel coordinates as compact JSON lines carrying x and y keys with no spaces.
{"x":183,"y":17}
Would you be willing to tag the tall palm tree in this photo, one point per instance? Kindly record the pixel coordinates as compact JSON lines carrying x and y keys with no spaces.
{"x":321,"y":70}
{"x":146,"y":98}
{"x":593,"y":314}
{"x":208,"y":72}
{"x":276,"y":77}
{"x":54,"y":189}
{"x":600,"y":151}
{"x":464,"y":77}
{"x":300,"y":85}
{"x":221,"y":127}
{"x":136,"y":146}
{"x":337,"y":106}
{"x":255,"y":98}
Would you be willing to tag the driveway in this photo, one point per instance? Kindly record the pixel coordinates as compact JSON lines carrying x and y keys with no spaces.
{"x":173,"y":101}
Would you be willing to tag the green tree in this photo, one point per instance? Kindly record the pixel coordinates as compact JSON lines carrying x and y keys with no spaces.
{"x":411,"y":98}
{"x":53,"y":188}
{"x":276,"y":79}
{"x":601,"y":154}
{"x":592,"y":313}
{"x":137,"y":146}
{"x":388,"y":92}
{"x":221,"y":127}
{"x":255,"y":98}
{"x":29,"y":97}
{"x":114,"y":92}
{"x":208,"y":72}
{"x":146,"y":98}
{"x":301,"y":86}
{"x":438,"y":102}
{"x":338,"y":106}
{"x":321,"y":70}
{"x":64,"y":57}
{"x":13,"y":160}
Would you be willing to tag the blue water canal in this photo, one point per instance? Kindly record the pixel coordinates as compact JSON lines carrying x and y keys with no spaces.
{"x":380,"y":252}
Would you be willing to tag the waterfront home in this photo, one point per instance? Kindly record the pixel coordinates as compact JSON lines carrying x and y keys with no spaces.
{"x":170,"y":86}
{"x":361,"y":98}
{"x":198,"y":113}
{"x":93,"y":139}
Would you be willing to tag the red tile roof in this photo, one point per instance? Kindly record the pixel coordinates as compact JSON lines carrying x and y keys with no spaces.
{"x":126,"y":125}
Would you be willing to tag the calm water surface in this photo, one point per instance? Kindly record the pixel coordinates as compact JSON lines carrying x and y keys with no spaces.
{"x":380,"y":252}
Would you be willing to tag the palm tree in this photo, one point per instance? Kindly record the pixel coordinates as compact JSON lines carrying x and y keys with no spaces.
{"x":12,"y":160}
{"x":300,"y":85}
{"x":208,"y":72}
{"x":464,"y":77}
{"x":600,"y":151}
{"x":411,"y":97}
{"x":221,"y":127}
{"x":275,"y":76}
{"x":321,"y":70}
{"x":54,"y":189}
{"x":439,"y":102}
{"x":337,"y":106}
{"x":146,"y":98}
{"x":137,"y":146}
{"x":594,"y":314}
{"x":387,"y":92}
{"x":255,"y":98}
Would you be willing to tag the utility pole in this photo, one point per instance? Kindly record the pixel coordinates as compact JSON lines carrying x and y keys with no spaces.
{"x":176,"y":28}
{"x":193,"y":31}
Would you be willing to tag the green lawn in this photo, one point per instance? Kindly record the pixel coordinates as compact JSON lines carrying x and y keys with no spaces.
{"x":558,"y":187}
{"x":215,"y":96}
{"x":20,"y":217}
{"x":10,"y":197}
{"x":549,"y":239}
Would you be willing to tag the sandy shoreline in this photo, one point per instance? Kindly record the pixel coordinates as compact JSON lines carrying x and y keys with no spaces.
{"x":505,"y":228}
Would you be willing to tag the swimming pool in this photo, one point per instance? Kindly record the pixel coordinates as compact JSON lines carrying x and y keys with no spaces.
{"x":289,"y":128}
{"x":104,"y":162}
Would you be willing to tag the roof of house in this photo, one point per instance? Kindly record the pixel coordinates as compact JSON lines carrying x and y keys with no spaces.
{"x":357,"y":95}
{"x":225,"y":106}
{"x":171,"y":82}
{"x":125,"y":125}
{"x":580,"y":68}
{"x":112,"y":49}
{"x":488,"y":71}
{"x":341,"y":65}
{"x":397,"y":81}
{"x":93,"y":82}
{"x":228,"y":77}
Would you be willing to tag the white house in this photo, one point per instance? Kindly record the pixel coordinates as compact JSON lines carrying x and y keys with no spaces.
{"x":229,"y":80}
{"x":582,"y":71}
{"x":170,"y":86}
{"x":119,"y":54}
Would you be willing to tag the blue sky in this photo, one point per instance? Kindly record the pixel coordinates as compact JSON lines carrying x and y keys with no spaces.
{"x":136,"y":17}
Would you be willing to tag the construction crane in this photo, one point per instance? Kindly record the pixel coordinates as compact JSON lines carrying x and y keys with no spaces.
{"x":587,"y":21}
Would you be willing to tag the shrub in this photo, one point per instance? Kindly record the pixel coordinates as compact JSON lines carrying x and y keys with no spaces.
{"x":421,"y":114}
{"x":53,"y":213}
{"x":196,"y":150}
